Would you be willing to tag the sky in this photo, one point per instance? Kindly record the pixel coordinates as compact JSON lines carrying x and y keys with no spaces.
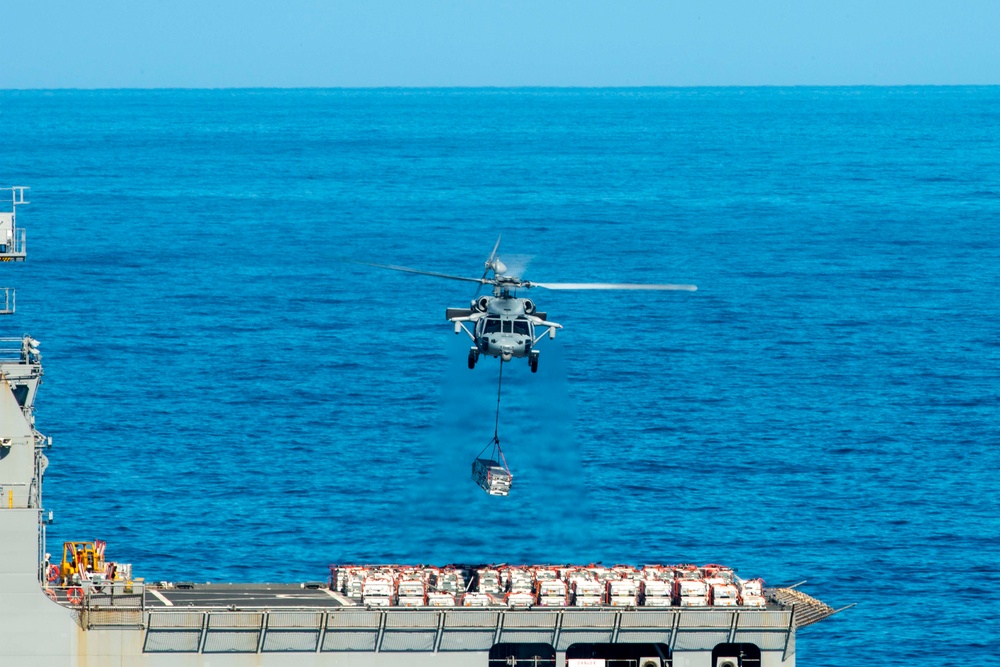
{"x":374,"y":43}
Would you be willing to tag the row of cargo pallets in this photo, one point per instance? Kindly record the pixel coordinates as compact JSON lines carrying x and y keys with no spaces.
{"x":547,"y":586}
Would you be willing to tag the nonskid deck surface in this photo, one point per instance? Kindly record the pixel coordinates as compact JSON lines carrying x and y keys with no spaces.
{"x":244,"y":596}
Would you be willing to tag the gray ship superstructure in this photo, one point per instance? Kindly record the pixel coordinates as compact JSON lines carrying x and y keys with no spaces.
{"x":85,"y":610}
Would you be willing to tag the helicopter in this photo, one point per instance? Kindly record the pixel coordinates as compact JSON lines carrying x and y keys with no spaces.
{"x":504,"y":325}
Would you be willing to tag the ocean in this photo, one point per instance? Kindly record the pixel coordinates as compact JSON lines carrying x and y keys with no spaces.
{"x":233,"y":398}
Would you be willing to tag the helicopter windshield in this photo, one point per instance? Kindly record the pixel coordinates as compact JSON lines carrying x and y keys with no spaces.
{"x":507,"y":326}
{"x":521,"y":327}
{"x":492,"y":325}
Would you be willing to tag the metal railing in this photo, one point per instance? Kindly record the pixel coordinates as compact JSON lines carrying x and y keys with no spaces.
{"x":107,"y":604}
{"x":15,"y":246}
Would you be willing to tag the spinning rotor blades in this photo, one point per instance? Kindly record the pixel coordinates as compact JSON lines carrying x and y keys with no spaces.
{"x":405,"y":269}
{"x":628,"y":286}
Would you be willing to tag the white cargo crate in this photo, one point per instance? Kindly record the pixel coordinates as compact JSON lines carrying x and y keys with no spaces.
{"x":657,"y":602}
{"x":520,"y":599}
{"x":476,"y":600}
{"x":405,"y":601}
{"x":752,"y":587}
{"x":622,"y":600}
{"x":693,"y":601}
{"x":725,"y":602}
{"x":587,"y":601}
{"x":552,"y":601}
{"x":721,"y":591}
{"x":440,"y":600}
{"x":492,"y":477}
{"x":376,"y":601}
{"x":754,"y":601}
{"x":692,"y":588}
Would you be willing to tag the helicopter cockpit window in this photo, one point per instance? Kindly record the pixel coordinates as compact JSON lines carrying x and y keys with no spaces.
{"x":492,"y":325}
{"x":507,"y":326}
{"x":521,"y":327}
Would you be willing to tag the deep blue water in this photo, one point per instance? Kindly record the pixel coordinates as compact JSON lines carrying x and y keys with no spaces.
{"x":231,"y":401}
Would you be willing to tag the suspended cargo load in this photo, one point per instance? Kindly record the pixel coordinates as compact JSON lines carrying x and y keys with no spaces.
{"x":493,"y":477}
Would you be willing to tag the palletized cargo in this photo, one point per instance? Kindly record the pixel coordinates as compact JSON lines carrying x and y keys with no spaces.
{"x":405,"y":601}
{"x":477,"y":600}
{"x":658,"y":602}
{"x":693,"y":601}
{"x":440,"y":600}
{"x":492,"y":477}
{"x":520,"y":599}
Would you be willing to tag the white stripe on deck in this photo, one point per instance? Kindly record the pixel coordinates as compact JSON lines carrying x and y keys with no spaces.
{"x":347,"y":602}
{"x":159,"y":596}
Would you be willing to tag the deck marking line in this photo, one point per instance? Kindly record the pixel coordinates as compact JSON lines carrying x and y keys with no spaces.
{"x":162,"y":598}
{"x":347,"y":602}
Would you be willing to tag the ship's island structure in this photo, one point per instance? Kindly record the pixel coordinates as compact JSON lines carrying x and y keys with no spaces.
{"x":75,"y":607}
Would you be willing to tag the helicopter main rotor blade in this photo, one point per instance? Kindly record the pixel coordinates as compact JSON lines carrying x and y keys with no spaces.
{"x":489,"y":265}
{"x":493,"y":256}
{"x":624,"y":286}
{"x":406,"y":269}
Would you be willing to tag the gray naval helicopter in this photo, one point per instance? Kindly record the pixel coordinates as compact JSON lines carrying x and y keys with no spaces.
{"x":504,"y":325}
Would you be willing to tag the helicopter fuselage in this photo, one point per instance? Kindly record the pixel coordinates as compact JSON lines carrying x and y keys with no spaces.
{"x":505,"y":331}
{"x":503,"y":327}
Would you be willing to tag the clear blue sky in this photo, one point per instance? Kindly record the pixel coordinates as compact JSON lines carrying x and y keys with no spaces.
{"x":304,"y":43}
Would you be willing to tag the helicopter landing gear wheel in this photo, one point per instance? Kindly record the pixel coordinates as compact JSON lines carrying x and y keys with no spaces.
{"x":473,"y":358}
{"x":533,"y":363}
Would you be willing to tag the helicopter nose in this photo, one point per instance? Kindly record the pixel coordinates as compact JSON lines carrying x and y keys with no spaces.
{"x":506,"y":352}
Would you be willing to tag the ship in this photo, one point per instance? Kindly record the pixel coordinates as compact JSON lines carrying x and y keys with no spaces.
{"x":88,"y":610}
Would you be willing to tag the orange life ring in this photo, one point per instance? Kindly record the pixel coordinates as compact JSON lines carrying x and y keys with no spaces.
{"x":53,"y":573}
{"x":51,"y":593}
{"x":75,"y":595}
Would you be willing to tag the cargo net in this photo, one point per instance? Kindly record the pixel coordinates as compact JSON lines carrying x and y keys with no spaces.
{"x":490,"y":470}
